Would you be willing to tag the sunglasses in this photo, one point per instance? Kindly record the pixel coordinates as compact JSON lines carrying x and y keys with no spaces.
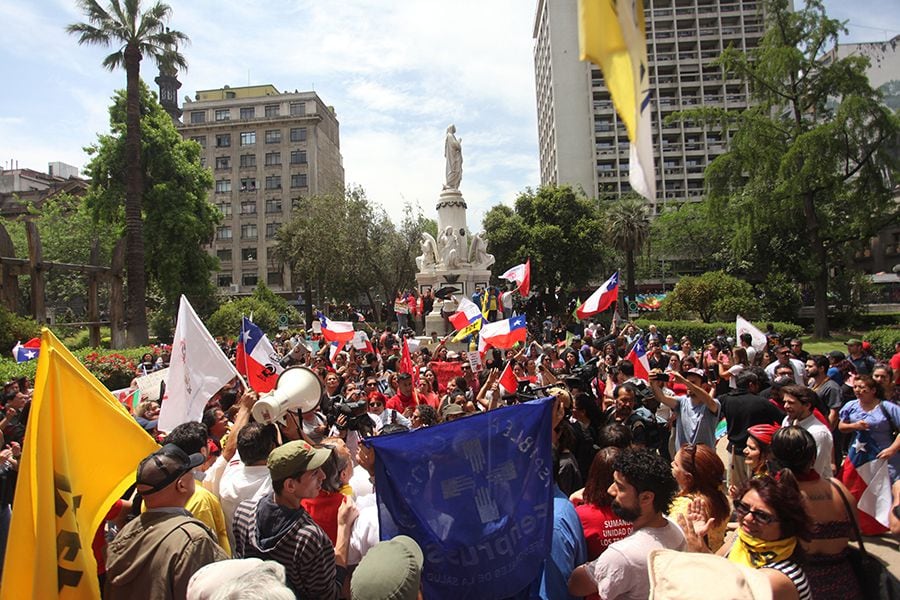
{"x":761,"y":517}
{"x":374,"y":404}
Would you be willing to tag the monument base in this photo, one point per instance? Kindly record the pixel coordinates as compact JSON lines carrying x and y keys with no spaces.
{"x":467,"y":281}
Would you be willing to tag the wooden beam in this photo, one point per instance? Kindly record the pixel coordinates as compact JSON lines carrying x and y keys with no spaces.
{"x":9,"y":282}
{"x":93,"y":296}
{"x":117,"y":297}
{"x":36,"y":270}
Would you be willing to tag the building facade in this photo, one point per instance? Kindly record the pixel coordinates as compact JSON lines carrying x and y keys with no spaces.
{"x":583,"y":142}
{"x":267,"y":150}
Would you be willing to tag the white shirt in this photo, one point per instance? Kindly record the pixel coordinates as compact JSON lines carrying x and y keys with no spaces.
{"x":824,"y":442}
{"x":240,"y":482}
{"x":799,"y":375}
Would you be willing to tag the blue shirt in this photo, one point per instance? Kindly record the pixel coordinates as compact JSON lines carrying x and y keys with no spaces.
{"x":567,"y":551}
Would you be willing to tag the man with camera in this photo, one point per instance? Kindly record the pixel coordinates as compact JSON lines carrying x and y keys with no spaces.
{"x":697,"y":413}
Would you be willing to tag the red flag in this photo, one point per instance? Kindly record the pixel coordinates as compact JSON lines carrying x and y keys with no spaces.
{"x":406,"y":364}
{"x":445,"y":371}
{"x":509,"y":383}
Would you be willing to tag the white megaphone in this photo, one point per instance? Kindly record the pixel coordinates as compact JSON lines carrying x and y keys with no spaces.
{"x":296,"y":388}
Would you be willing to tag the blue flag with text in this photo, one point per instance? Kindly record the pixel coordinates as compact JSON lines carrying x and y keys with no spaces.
{"x":477,"y":495}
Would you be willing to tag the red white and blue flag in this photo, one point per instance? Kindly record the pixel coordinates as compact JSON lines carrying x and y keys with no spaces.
{"x":638,"y":357}
{"x":600,"y":300}
{"x":502,"y":334}
{"x":521,"y":276}
{"x":336,"y":331}
{"x":254,"y":359}
{"x":27,"y":351}
{"x":467,"y":313}
{"x":867,"y":478}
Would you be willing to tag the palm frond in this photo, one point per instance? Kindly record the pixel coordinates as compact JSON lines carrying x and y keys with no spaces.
{"x":114,"y":60}
{"x":88,"y":34}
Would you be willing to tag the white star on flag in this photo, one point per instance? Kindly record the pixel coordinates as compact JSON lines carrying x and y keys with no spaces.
{"x":860,"y":446}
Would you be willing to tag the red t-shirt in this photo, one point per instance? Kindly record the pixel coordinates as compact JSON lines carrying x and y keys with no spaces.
{"x":324,"y":510}
{"x":601,"y":528}
{"x":400,"y":403}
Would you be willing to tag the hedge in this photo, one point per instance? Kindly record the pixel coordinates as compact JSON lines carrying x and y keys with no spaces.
{"x":698,"y":332}
{"x":883,"y":341}
{"x":114,"y":368}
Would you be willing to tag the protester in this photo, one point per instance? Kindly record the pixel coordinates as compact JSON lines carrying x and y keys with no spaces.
{"x":601,"y":525}
{"x":699,"y":473}
{"x":697,"y":414}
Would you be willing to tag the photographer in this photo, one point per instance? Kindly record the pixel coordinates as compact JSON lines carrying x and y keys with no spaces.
{"x":697,"y":414}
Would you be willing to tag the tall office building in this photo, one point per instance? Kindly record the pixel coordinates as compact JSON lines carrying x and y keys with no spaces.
{"x":583,"y":142}
{"x":267,"y":150}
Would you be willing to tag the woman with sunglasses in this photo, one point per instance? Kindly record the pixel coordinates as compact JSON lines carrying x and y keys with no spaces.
{"x":830,"y":573}
{"x":772,"y":521}
{"x":699,"y":473}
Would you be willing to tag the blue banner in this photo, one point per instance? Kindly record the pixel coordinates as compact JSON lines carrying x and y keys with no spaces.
{"x":477,"y":495}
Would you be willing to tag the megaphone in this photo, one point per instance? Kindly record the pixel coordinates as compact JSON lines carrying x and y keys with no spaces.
{"x":296,"y":388}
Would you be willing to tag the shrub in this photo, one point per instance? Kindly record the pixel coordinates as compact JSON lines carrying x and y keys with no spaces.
{"x":114,"y":368}
{"x":699,"y":332}
{"x":14,"y":328}
{"x":713,"y":295}
{"x":883,"y":341}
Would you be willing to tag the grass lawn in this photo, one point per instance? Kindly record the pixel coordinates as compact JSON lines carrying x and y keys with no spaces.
{"x":825,"y":345}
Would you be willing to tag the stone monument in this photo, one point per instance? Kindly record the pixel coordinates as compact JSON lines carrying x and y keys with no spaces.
{"x":456,"y":258}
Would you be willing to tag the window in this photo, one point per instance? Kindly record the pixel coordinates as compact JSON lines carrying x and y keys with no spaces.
{"x":248,"y":253}
{"x":223,"y":140}
{"x":248,"y":184}
{"x":272,"y":110}
{"x":273,"y":205}
{"x":223,"y":186}
{"x":298,"y":134}
{"x":224,"y":280}
{"x":298,"y":157}
{"x":224,"y":254}
{"x":248,"y":207}
{"x":272,"y":230}
{"x":273,"y":182}
{"x":248,"y":138}
{"x":249,"y":279}
{"x":198,"y":116}
{"x":223,"y":114}
{"x":273,"y":158}
{"x":298,"y":109}
{"x":248,"y":113}
{"x":224,"y":208}
{"x":248,"y":231}
{"x":200,"y":139}
{"x":248,"y":160}
{"x":273,"y":278}
{"x":273,"y":136}
{"x":223,"y":233}
{"x":298,"y":180}
{"x":223,"y":162}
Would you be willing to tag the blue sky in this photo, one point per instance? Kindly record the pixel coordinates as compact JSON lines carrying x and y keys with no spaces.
{"x":397,"y":72}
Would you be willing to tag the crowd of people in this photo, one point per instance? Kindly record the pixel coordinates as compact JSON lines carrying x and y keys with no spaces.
{"x":641,"y":464}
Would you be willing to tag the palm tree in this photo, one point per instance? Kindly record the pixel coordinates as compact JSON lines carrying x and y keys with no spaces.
{"x":135,"y":34}
{"x":628,"y":230}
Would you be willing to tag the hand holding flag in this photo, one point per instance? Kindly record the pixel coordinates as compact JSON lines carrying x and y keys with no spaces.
{"x":254,"y":358}
{"x":335,"y":331}
{"x":600,"y":300}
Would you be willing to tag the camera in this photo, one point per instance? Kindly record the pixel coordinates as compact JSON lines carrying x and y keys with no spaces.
{"x":355,"y":414}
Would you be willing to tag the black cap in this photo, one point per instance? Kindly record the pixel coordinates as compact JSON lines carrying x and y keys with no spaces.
{"x":164,"y":466}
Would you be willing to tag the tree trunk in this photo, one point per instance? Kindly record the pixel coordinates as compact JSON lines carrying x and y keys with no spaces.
{"x":629,"y":267}
{"x":820,"y":264}
{"x":136,"y":303}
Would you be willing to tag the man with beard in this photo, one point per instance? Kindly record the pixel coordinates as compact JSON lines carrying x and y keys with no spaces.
{"x":643,"y":487}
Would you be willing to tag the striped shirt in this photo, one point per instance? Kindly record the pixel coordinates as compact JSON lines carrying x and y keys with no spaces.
{"x":792,"y":571}
{"x":302,"y":548}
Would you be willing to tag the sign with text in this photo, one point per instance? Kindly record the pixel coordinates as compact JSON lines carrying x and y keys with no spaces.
{"x":149,"y":384}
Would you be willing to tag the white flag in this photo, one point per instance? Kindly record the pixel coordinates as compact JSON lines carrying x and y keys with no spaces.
{"x":742,"y":325}
{"x":197,"y":370}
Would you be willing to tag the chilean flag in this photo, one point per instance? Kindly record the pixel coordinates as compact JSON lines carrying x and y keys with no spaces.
{"x":467,"y":313}
{"x":27,"y":351}
{"x":521,"y":275}
{"x":509,"y":383}
{"x":600,"y":300}
{"x":867,"y":478}
{"x":336,"y":331}
{"x":638,"y":357}
{"x":502,"y":334}
{"x":254,"y":358}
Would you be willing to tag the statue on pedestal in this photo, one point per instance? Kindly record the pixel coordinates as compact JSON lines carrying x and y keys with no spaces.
{"x":449,"y":248}
{"x":478,"y":255}
{"x":428,"y":258}
{"x":453,"y":154}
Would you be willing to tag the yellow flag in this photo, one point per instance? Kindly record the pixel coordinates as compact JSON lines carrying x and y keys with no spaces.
{"x":80,"y":454}
{"x":467,"y":331}
{"x":613,"y":36}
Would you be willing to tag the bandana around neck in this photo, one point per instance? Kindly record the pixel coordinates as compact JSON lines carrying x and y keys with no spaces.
{"x":756,"y":553}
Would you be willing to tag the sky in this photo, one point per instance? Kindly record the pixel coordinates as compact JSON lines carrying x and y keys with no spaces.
{"x":397,"y":72}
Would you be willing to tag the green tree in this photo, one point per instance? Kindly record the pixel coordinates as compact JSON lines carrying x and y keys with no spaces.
{"x":806,"y":177}
{"x":715,"y":295}
{"x":560,"y":231}
{"x":136,"y":35}
{"x":628,"y":229}
{"x":178,"y":219}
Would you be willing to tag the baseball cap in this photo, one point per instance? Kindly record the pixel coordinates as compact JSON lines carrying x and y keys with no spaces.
{"x":698,"y":372}
{"x":390,"y":570}
{"x":452,"y":409}
{"x":295,"y":458}
{"x":164,"y":466}
{"x":853,"y":341}
{"x":836,"y":355}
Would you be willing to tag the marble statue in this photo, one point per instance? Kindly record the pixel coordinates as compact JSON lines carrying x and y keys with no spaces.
{"x":428,"y":258}
{"x":448,"y":246}
{"x":478,"y":254}
{"x":453,"y":154}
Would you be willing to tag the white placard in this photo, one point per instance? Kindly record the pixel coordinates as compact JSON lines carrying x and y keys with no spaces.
{"x":149,"y":384}
{"x":475,"y":360}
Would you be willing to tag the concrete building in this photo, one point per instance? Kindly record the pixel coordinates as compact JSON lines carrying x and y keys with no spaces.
{"x":267,"y":150}
{"x":582,"y":142}
{"x":20,"y":188}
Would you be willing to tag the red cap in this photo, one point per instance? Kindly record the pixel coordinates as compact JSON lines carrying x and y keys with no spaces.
{"x":764,"y":433}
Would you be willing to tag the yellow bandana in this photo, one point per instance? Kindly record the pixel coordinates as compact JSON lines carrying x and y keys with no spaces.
{"x":754,"y":552}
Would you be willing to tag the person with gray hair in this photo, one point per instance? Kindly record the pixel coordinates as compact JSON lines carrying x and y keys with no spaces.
{"x":240,"y":579}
